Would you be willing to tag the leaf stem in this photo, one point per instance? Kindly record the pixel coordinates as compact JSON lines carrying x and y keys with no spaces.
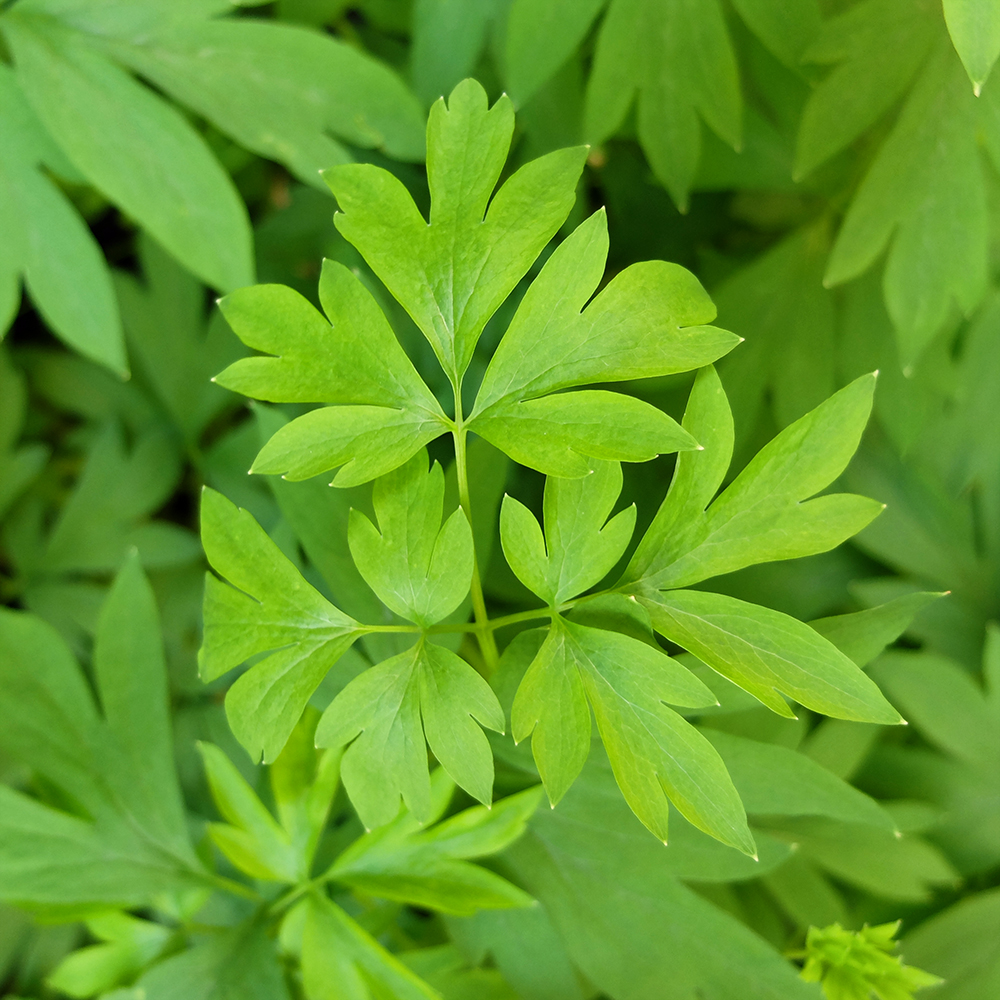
{"x":484,"y":631}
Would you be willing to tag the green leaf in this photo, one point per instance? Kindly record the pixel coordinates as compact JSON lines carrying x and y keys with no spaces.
{"x":868,"y":76}
{"x":876,"y":860}
{"x":428,"y":867}
{"x":654,"y":753}
{"x":864,"y":634}
{"x":679,"y":61}
{"x":561,"y":434}
{"x":175,"y":349}
{"x":580,"y":545}
{"x":18,"y":466}
{"x":438,"y":271}
{"x":296,"y":86}
{"x":768,"y":654}
{"x":761,"y":516}
{"x":651,"y":319}
{"x":131,"y":675}
{"x":251,"y":838}
{"x":46,"y":240}
{"x":944,"y":703}
{"x":351,"y":357}
{"x":116,"y":768}
{"x":385,"y":412}
{"x":775,"y":781}
{"x":108,"y":512}
{"x":238,"y":961}
{"x":129,"y":944}
{"x":541,"y":36}
{"x":786,"y":30}
{"x":386,"y":714}
{"x":924,"y":197}
{"x":779,"y":304}
{"x":974,"y":26}
{"x":960,"y":944}
{"x":364,"y":442}
{"x":134,"y":148}
{"x":613,"y":893}
{"x":340,"y":959}
{"x":420,"y":568}
{"x":448,"y":37}
{"x":274,"y":610}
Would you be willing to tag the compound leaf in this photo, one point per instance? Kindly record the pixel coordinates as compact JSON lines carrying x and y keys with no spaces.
{"x":974,"y":26}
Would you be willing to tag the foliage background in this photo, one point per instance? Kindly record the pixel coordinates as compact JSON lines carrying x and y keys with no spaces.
{"x":828,"y":172}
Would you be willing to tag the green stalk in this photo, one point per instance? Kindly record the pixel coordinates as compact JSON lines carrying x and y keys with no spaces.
{"x":484,"y":633}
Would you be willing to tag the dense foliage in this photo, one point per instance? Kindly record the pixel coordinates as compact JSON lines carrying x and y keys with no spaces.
{"x":584,"y":546}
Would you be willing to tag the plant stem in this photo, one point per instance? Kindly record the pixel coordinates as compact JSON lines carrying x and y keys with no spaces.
{"x":484,"y":632}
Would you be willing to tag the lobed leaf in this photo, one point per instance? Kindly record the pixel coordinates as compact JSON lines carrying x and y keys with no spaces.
{"x":273,"y":611}
{"x":768,"y":654}
{"x":760,"y":517}
{"x":420,"y":568}
{"x":385,"y":715}
{"x":452,"y":273}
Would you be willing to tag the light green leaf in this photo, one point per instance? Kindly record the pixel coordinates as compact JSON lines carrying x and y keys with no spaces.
{"x":768,"y":654}
{"x":427,"y":868}
{"x":551,"y":707}
{"x":541,"y":36}
{"x":438,"y":271}
{"x":580,"y":545}
{"x":129,"y":944}
{"x":274,"y":609}
{"x":351,"y":357}
{"x":864,"y":634}
{"x":655,"y":754}
{"x":386,"y":714}
{"x":561,"y":434}
{"x":651,"y":319}
{"x":924,"y":196}
{"x":238,"y":961}
{"x":868,"y":76}
{"x":340,"y":959}
{"x":134,"y":148}
{"x":296,"y":86}
{"x":761,"y":516}
{"x":420,"y":568}
{"x":250,"y":838}
{"x":775,"y":781}
{"x":304,"y":781}
{"x":363,"y":442}
{"x":679,"y":60}
{"x":974,"y":26}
